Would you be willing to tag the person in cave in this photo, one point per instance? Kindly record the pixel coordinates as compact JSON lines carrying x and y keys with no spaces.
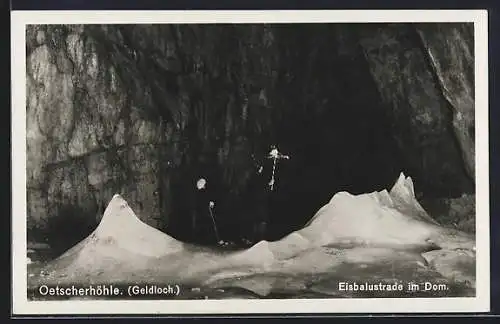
{"x":266,"y":187}
{"x":203,"y":218}
{"x":263,"y":184}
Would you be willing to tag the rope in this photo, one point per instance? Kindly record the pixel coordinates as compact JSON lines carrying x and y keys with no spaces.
{"x":272,"y":177}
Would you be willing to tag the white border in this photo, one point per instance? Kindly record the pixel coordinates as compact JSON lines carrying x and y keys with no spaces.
{"x":21,"y":306}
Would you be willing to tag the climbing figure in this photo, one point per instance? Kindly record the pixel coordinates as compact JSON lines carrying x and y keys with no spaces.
{"x":275,"y":155}
{"x":264,"y":191}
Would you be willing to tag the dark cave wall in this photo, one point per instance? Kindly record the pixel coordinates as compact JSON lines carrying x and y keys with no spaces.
{"x":407,"y":79}
{"x":425,"y":75}
{"x":146,"y":110}
{"x":450,"y":53}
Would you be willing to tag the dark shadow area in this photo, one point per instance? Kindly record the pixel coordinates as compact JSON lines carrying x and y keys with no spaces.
{"x":67,"y":228}
{"x":348,"y":146}
{"x":339,"y":141}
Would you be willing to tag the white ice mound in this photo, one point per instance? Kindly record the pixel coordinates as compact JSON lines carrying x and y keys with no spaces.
{"x":122,"y":233}
{"x":120,"y":223}
{"x":260,"y":254}
{"x":393,"y":219}
{"x":121,"y":246}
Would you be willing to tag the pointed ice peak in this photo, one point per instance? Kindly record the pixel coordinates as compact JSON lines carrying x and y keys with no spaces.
{"x":409,"y":185}
{"x":401,"y":179}
{"x":117,"y":209}
{"x":117,"y":202}
{"x":403,"y":184}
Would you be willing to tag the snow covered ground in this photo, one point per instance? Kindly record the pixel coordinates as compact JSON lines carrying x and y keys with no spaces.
{"x":370,"y":245}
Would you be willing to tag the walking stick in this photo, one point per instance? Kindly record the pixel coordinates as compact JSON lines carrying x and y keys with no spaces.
{"x":210,"y":207}
{"x":201,"y":185}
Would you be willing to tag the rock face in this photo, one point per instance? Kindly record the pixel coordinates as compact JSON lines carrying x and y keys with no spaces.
{"x":424,"y":73}
{"x":450,"y":51}
{"x":145,"y":111}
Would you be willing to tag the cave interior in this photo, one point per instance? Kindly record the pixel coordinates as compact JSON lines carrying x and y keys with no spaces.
{"x":315,"y":95}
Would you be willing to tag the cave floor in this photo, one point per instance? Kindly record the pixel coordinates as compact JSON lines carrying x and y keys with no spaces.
{"x":276,"y":284}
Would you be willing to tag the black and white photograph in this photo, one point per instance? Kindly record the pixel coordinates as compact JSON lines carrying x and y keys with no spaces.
{"x":224,"y":162}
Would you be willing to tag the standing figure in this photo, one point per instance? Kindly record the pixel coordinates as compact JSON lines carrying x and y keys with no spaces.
{"x":275,"y":155}
{"x":203,"y":217}
{"x":264,"y":187}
